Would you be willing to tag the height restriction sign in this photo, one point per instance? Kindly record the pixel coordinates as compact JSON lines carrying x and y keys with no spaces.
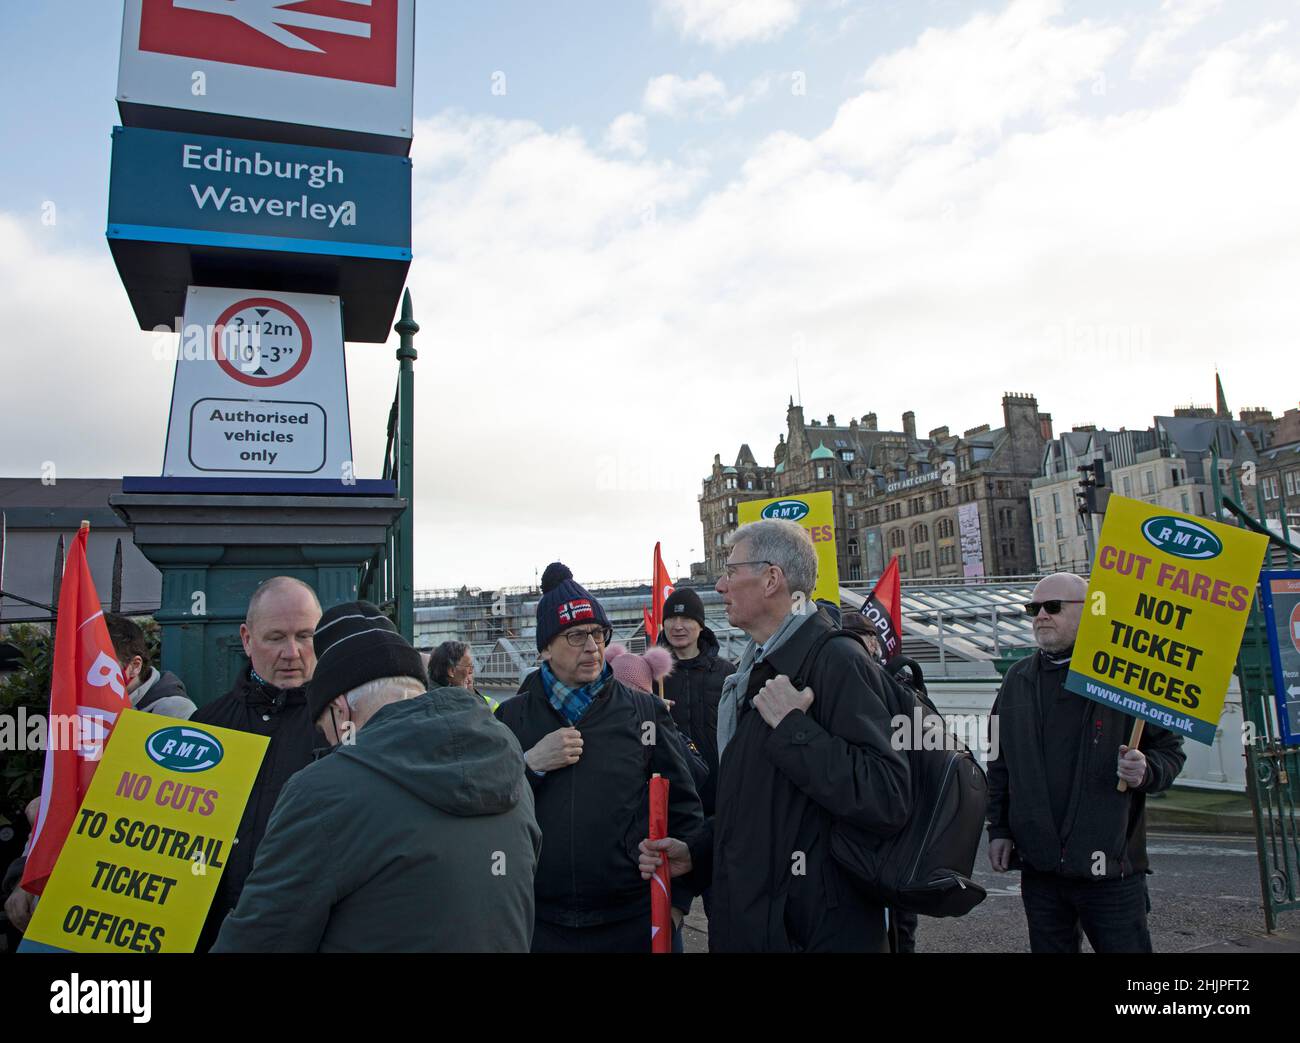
{"x":261,"y":388}
{"x":261,"y":341}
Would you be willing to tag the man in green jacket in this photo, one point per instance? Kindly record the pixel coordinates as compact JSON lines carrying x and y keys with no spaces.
{"x":416,"y":835}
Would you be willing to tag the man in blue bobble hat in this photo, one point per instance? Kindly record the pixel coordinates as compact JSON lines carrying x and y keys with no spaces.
{"x":590,"y":746}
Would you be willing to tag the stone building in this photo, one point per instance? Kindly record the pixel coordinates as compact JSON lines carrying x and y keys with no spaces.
{"x":1169,"y":465}
{"x":1279,"y":471}
{"x":723,"y":489}
{"x":946,"y":505}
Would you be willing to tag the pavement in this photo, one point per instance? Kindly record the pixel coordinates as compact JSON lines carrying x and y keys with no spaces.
{"x":1278,"y":941}
{"x":1186,"y":810}
{"x":1204,"y":893}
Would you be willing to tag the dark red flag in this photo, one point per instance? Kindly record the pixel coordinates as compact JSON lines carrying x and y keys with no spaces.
{"x":661,"y":586}
{"x":87,"y":693}
{"x":661,"y":888}
{"x":884,"y":610}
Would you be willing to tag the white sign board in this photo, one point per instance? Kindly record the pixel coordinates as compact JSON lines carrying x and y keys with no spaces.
{"x":344,"y":65}
{"x":261,"y":387}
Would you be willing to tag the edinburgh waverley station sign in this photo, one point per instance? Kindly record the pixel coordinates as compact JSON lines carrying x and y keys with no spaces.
{"x":189,"y":209}
{"x":335,"y":73}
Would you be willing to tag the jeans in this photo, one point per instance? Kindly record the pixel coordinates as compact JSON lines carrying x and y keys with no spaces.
{"x":621,"y":936}
{"x":1112,"y":912}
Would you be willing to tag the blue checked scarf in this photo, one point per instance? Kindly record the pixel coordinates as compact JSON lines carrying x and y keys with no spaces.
{"x":572,"y":703}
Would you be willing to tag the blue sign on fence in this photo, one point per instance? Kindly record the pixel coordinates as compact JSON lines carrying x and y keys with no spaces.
{"x":200,"y":190}
{"x":1281,"y":597}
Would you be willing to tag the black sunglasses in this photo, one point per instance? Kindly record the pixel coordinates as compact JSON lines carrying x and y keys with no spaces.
{"x":1053,"y":606}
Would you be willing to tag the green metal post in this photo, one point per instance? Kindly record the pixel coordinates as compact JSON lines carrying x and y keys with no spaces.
{"x":404,"y":581}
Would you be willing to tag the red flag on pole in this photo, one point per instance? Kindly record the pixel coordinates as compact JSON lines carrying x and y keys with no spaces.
{"x":661,"y":887}
{"x":884,"y":610}
{"x":87,"y":693}
{"x":660,"y":587}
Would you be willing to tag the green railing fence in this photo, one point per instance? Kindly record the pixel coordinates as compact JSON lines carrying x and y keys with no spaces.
{"x":1272,"y":767}
{"x":388,"y":578}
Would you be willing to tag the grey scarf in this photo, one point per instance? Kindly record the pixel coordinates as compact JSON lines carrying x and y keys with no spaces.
{"x":733,"y":688}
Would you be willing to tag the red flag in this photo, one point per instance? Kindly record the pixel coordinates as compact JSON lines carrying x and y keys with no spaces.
{"x":648,"y":616}
{"x":87,"y":693}
{"x":660,"y":587}
{"x":661,"y":887}
{"x":884,"y":610}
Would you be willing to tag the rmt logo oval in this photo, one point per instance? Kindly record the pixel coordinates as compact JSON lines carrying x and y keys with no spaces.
{"x":786,"y":510}
{"x":184,"y":749}
{"x":1181,"y":537}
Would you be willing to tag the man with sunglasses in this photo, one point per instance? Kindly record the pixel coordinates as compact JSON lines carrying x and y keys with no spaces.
{"x":1055,"y":811}
{"x":589,"y":755}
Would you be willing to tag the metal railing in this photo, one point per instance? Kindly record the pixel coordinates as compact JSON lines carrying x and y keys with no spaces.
{"x":387,"y":579}
{"x":1272,"y":766}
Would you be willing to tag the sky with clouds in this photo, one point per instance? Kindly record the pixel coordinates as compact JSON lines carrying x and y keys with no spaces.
{"x":623,"y":257}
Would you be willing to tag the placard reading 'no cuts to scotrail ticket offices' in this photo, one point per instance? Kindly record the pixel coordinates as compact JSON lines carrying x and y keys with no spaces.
{"x":150,"y":841}
{"x":1166,"y":608}
{"x":816,"y":513}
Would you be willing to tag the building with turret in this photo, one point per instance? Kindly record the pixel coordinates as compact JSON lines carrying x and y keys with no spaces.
{"x":945,"y":505}
{"x":1168,"y":464}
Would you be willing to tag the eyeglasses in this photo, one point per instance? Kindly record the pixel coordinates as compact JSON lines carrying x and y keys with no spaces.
{"x":1053,"y":606}
{"x":578,"y":638}
{"x":729,"y":569}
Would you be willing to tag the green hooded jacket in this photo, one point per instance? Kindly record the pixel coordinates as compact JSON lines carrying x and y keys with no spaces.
{"x":419,"y":837}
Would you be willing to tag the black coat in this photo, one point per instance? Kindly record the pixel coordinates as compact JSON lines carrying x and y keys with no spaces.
{"x":776,"y":887}
{"x":695,"y":688}
{"x":1099,"y":818}
{"x":281,"y":714}
{"x":594,"y":813}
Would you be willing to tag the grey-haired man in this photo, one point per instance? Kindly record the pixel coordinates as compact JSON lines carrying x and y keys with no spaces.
{"x":792,"y":762}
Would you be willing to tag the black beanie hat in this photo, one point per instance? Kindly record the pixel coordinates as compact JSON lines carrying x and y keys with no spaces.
{"x":564,"y":603}
{"x":356,"y":643}
{"x":684,"y":602}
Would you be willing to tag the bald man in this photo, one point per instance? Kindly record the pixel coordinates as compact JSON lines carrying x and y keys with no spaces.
{"x":268,"y":699}
{"x":1055,"y":812}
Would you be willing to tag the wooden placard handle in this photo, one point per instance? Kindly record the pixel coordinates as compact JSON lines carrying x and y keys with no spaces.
{"x":1134,"y":738}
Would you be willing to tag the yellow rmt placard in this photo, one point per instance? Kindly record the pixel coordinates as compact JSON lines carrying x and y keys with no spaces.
{"x":816,"y":513}
{"x":1166,"y":608}
{"x":148,"y":846}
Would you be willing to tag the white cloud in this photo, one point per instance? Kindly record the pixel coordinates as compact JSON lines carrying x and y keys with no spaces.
{"x":1174,"y":21}
{"x":596,"y":325}
{"x":671,"y":95}
{"x":969,"y":84}
{"x":725,"y":23}
{"x":627,"y":134}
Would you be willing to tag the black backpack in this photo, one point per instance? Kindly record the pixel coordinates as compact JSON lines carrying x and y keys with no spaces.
{"x":926,"y":866}
{"x":695,"y":761}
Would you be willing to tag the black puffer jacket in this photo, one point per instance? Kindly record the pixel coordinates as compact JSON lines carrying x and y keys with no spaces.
{"x":776,"y":887}
{"x":281,"y":714}
{"x":695,"y":688}
{"x":594,"y":814}
{"x":1099,"y":819}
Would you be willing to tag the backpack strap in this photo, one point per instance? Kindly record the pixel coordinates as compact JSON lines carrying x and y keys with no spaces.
{"x":800,"y":678}
{"x":645,"y":711}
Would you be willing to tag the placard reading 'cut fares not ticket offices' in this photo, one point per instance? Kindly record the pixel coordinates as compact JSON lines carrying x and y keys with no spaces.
{"x":1166,"y":608}
{"x":150,"y":841}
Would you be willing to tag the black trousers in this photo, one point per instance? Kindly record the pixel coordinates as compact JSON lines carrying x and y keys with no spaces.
{"x":621,"y":936}
{"x":1111,"y":912}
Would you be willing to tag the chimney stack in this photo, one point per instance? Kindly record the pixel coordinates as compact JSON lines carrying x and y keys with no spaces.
{"x":909,"y":425}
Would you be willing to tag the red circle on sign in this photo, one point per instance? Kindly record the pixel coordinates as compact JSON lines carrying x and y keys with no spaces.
{"x":1294,"y":624}
{"x":247,"y":378}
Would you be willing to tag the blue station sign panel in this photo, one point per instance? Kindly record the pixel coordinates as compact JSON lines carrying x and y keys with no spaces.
{"x":192,"y":209}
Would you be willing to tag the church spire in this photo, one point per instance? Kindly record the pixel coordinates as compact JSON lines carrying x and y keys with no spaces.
{"x":1221,"y":410}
